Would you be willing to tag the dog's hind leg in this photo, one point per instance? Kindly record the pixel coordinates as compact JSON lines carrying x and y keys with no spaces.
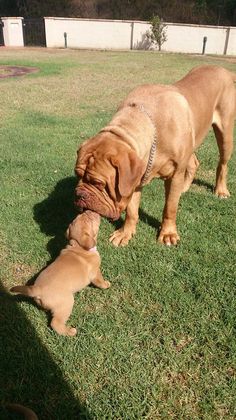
{"x":61,"y":314}
{"x":224,"y":137}
{"x":191,"y":169}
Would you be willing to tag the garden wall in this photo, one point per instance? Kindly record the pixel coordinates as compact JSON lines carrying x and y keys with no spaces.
{"x":125,"y":35}
{"x":114,"y":34}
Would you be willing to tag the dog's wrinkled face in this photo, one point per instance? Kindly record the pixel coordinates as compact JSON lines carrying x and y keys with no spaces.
{"x":84,"y":229}
{"x":108,"y":171}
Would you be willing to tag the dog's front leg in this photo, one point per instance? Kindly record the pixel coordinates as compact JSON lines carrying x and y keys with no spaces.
{"x":122,"y":236}
{"x":99,"y":281}
{"x":173,"y":188}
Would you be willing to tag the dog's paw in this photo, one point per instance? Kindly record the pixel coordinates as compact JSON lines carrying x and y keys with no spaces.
{"x":71,"y":331}
{"x":121,"y":237}
{"x":104,"y":284}
{"x":168,"y":239}
{"x":222,"y":193}
{"x":107,"y":284}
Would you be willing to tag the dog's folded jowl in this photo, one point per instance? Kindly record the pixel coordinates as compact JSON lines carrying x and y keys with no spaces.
{"x":88,"y":197}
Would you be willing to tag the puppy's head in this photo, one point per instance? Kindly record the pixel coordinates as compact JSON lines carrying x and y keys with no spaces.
{"x":84,"y":229}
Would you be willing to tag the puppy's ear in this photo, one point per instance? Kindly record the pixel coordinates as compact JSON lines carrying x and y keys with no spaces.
{"x":73,"y":230}
{"x":130,"y":170}
{"x":87,"y":241}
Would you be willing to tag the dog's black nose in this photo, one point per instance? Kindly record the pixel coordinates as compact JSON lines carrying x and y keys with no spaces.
{"x":81,"y":195}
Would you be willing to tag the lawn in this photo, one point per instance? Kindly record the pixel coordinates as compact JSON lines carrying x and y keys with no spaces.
{"x":160,"y":343}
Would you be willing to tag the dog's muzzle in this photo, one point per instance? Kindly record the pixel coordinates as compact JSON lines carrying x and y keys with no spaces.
{"x":81,"y":199}
{"x":93,"y":200}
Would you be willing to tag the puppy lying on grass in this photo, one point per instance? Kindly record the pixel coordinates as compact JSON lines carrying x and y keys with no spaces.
{"x":76,"y":267}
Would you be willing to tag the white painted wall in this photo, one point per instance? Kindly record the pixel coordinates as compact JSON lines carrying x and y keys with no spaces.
{"x":189,"y":39}
{"x":140,"y":41}
{"x":13,"y":32}
{"x":232,"y":42}
{"x":84,"y":33}
{"x":118,"y":34}
{"x":114,"y":34}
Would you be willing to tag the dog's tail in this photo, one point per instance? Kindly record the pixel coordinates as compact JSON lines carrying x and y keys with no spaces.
{"x":27,"y":412}
{"x":31,"y":291}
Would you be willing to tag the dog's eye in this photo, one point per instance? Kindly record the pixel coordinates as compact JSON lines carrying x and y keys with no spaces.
{"x":98,"y":184}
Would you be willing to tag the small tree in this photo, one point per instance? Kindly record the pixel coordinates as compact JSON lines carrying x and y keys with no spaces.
{"x":157,"y":34}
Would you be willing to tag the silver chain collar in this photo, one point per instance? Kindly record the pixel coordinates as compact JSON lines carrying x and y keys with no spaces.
{"x":154,"y":143}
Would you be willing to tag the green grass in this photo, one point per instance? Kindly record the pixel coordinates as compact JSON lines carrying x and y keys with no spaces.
{"x":160,"y":343}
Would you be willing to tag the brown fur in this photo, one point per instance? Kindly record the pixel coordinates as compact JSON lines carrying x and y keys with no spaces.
{"x":75,"y":268}
{"x":110,"y":166}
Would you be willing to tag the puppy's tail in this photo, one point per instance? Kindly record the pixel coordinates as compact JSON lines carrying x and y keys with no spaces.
{"x":27,"y":412}
{"x":31,"y":291}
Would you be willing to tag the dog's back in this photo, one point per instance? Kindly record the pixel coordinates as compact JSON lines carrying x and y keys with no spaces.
{"x":72,"y":271}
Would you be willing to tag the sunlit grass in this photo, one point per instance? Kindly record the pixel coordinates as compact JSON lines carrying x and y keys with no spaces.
{"x":160,"y":342}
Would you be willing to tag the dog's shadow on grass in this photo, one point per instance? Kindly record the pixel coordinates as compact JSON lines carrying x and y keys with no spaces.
{"x":202,"y":183}
{"x":55,"y":213}
{"x":154,"y":222}
{"x":28,"y":374}
{"x":149,"y":220}
{"x":144,"y":217}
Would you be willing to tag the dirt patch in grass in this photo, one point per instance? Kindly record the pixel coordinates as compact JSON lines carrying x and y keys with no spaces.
{"x":22,"y":271}
{"x":12,"y":71}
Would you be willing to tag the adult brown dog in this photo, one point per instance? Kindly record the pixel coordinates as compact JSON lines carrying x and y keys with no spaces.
{"x":77,"y":266}
{"x":155,"y":134}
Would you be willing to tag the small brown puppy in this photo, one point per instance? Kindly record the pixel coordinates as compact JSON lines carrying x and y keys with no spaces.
{"x":76,"y":267}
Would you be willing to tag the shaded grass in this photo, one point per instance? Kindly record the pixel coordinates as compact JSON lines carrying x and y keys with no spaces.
{"x":161,"y":342}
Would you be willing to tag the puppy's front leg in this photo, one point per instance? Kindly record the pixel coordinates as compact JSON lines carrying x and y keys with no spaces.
{"x":173,"y":188}
{"x":122,"y":236}
{"x":100,"y":282}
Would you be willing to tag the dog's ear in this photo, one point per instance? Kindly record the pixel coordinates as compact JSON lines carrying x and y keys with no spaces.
{"x":67,"y":234}
{"x":130,"y":170}
{"x":87,"y":241}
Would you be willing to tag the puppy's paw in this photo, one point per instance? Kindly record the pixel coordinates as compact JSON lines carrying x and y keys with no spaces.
{"x":107,"y":284}
{"x":71,"y":331}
